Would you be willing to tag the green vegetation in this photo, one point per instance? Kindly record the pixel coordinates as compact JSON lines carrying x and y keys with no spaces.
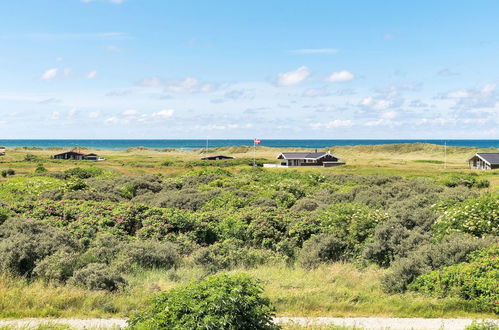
{"x":476,"y":280}
{"x":106,"y":239}
{"x":216,"y":302}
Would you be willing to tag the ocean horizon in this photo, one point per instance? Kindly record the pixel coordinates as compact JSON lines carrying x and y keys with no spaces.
{"x":189,"y":144}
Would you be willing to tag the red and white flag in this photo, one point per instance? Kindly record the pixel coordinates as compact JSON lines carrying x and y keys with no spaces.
{"x":257,"y":141}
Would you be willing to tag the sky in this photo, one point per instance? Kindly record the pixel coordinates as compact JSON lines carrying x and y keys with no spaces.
{"x":280,"y":69}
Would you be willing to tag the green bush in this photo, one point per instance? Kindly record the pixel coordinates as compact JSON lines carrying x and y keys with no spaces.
{"x":350,"y":223}
{"x":469,"y":181}
{"x":58,"y":267}
{"x":84,"y":173}
{"x":218,"y":302}
{"x":451,"y":250}
{"x":231,"y":254}
{"x":40,"y":169}
{"x":482,"y":325}
{"x":97,"y":276}
{"x":24,"y":243}
{"x":475,"y":280}
{"x":321,"y":248}
{"x":4,"y":214}
{"x":149,"y":255}
{"x":478,"y":217}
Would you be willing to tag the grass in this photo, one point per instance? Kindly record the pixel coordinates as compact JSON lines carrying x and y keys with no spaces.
{"x":333,"y":290}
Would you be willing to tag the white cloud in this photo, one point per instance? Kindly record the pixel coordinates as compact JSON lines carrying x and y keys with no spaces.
{"x":315,"y":92}
{"x":333,"y":124}
{"x":293,"y":77}
{"x":458,"y":94}
{"x":383,"y":122}
{"x":166,"y":113}
{"x":115,"y":120}
{"x":92,"y":74}
{"x":340,"y":76}
{"x":389,"y":115}
{"x":151,"y":82}
{"x":49,"y":74}
{"x":316,"y":51}
{"x":130,"y":112}
{"x":189,"y":85}
{"x":376,"y":104}
{"x":94,"y":114}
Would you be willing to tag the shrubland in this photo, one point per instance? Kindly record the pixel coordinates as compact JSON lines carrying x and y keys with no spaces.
{"x":427,"y":240}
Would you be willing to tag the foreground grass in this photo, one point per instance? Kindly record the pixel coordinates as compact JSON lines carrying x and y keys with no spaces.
{"x":332,"y":290}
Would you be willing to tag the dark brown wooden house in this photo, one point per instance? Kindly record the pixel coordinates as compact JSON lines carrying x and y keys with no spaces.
{"x":76,"y":155}
{"x":324,"y":159}
{"x":484,"y":161}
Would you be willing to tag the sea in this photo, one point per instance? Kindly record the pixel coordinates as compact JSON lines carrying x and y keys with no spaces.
{"x":189,"y":144}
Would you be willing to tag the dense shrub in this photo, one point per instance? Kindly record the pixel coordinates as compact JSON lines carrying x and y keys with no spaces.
{"x":97,"y":276}
{"x":40,"y":169}
{"x":217,"y":302}
{"x":4,"y":214}
{"x":350,"y":223}
{"x":149,"y":255}
{"x":58,"y":267}
{"x":231,"y":254}
{"x":451,"y":250}
{"x":23,"y":244}
{"x":27,"y":188}
{"x":476,"y":280}
{"x":478,"y":216}
{"x":392,"y":241}
{"x":84,"y":173}
{"x":471,"y":180}
{"x":322,"y":248}
{"x":482,"y":325}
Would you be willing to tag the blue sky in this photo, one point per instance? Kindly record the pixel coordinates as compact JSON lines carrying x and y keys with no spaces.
{"x":234,"y":69}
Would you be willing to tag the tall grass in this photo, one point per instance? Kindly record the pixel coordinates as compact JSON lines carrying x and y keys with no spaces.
{"x":331,"y":290}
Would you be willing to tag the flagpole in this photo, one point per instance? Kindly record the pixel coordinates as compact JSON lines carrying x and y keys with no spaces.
{"x":254,"y":152}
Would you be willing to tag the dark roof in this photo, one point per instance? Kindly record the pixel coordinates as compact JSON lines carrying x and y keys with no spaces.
{"x":71,"y":152}
{"x":215,"y":157}
{"x":491,"y":158}
{"x":304,"y":155}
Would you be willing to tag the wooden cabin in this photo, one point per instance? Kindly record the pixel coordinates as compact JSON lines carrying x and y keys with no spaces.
{"x":324,"y":159}
{"x":216,"y":157}
{"x":484,"y":161}
{"x":75,"y":155}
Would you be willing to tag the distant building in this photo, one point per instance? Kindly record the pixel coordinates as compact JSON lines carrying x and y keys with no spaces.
{"x":2,"y":151}
{"x":216,"y":157}
{"x":294,"y":159}
{"x":484,"y":161}
{"x":75,"y":155}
